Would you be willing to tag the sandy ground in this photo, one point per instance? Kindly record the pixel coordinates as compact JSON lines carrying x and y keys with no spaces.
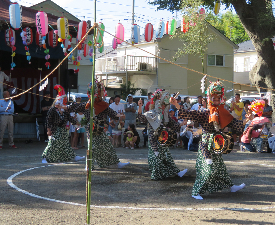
{"x":55,"y":193}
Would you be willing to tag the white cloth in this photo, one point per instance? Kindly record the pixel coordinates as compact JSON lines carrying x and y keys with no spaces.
{"x":79,"y":117}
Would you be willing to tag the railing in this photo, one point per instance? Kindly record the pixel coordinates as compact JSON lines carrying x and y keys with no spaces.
{"x":123,"y":63}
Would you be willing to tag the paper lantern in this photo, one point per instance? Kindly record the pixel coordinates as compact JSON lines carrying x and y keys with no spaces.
{"x":160,"y":29}
{"x":86,"y":50}
{"x":114,"y":43}
{"x":52,"y":39}
{"x":28,"y":35}
{"x":167,"y":27}
{"x":149,"y":31}
{"x":10,"y":37}
{"x":172,"y":27}
{"x":119,"y":33}
{"x":100,"y":33}
{"x":217,"y":7}
{"x":101,"y":49}
{"x":42,"y":23}
{"x":135,"y":38}
{"x":68,"y":42}
{"x":15,"y":16}
{"x":184,"y":26}
{"x":63,"y":28}
{"x":83,"y":28}
{"x":39,"y":39}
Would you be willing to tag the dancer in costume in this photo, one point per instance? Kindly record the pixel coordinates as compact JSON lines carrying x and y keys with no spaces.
{"x":103,"y":151}
{"x":211,"y":173}
{"x":59,"y":148}
{"x":161,"y":163}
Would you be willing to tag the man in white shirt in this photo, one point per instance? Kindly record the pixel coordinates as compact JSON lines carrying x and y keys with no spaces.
{"x":197,"y":105}
{"x":3,"y":77}
{"x":119,"y":108}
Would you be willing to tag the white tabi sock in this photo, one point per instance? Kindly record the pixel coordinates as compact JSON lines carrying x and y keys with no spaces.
{"x":236,"y":188}
{"x":198,"y":197}
{"x":121,"y":165}
{"x":44,"y":160}
{"x":77,"y":158}
{"x":181,"y":173}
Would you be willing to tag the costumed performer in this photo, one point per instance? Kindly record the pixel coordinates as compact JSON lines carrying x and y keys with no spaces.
{"x":59,"y":148}
{"x":160,"y":160}
{"x":211,"y":173}
{"x":103,"y":151}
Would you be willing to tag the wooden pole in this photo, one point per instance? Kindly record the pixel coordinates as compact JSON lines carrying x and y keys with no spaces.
{"x":89,"y":153}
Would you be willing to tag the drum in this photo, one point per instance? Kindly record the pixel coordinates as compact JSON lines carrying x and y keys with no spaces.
{"x":166,"y":137}
{"x":222,"y":143}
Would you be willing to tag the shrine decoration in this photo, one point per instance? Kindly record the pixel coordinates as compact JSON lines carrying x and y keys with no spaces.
{"x":119,"y":33}
{"x":135,"y":34}
{"x":160,"y":29}
{"x":15,"y":15}
{"x":149,"y":31}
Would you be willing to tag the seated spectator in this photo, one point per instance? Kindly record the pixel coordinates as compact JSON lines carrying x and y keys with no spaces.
{"x":189,"y":138}
{"x":172,"y":114}
{"x":145,"y":136}
{"x":136,"y":138}
{"x":116,"y":131}
{"x":251,"y":140}
{"x":129,"y":140}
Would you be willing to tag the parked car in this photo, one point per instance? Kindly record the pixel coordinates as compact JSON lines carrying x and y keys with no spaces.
{"x":84,"y":97}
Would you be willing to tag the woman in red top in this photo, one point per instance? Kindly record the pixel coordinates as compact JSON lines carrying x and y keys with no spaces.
{"x":252,"y":131}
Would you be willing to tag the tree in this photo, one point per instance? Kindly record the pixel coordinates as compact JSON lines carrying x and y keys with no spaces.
{"x":130,"y":90}
{"x":195,"y":37}
{"x":229,"y":25}
{"x":258,"y":21}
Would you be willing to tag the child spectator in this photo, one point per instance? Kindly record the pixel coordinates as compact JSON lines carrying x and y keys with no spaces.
{"x":116,"y":131}
{"x":129,"y":140}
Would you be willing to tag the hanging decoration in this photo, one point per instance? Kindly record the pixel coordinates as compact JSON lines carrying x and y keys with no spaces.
{"x":42,"y":23}
{"x":63,"y":29}
{"x":172,"y":27}
{"x":160,"y":29}
{"x":135,"y":34}
{"x":52,"y":39}
{"x":100,"y":33}
{"x":27,"y":38}
{"x":67,"y":44}
{"x":114,"y":43}
{"x":10,"y":41}
{"x":76,"y":63}
{"x":119,"y":33}
{"x":217,"y":7}
{"x":83,"y":28}
{"x":10,"y":37}
{"x":86,"y":50}
{"x":15,"y":16}
{"x":184,"y":25}
{"x":39,"y":40}
{"x":167,"y":27}
{"x":149,"y":31}
{"x":101,"y":49}
{"x":43,"y":85}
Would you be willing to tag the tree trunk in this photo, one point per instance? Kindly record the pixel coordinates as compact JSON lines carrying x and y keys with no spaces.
{"x":258,"y":21}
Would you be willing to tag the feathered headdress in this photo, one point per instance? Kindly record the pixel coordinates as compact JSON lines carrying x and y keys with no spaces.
{"x":215,"y":89}
{"x":62,"y":97}
{"x":257,"y":106}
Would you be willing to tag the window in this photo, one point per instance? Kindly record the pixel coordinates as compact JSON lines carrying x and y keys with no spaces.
{"x":215,"y":60}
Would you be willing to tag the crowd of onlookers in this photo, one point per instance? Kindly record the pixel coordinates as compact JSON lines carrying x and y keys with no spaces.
{"x":123,"y":133}
{"x":250,"y":139}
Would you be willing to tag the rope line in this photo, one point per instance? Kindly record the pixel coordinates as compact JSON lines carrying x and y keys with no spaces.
{"x":168,"y":61}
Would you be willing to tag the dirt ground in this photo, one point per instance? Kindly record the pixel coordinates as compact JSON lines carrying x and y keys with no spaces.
{"x":36,"y":193}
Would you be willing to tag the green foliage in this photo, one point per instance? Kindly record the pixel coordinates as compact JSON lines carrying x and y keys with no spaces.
{"x":229,"y":25}
{"x":130,"y":90}
{"x":197,"y":37}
